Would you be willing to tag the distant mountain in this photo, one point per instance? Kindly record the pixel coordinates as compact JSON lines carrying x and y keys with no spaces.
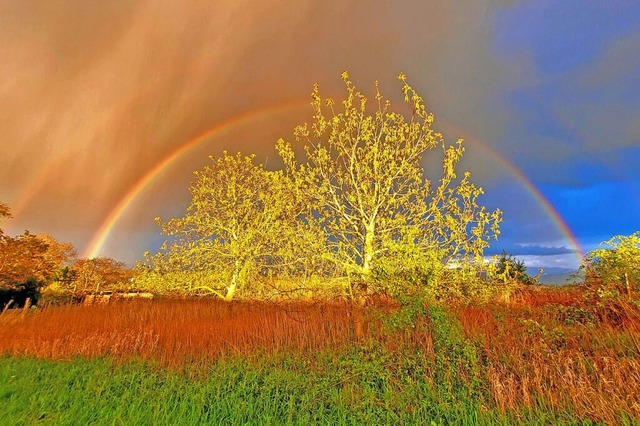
{"x":559,"y":276}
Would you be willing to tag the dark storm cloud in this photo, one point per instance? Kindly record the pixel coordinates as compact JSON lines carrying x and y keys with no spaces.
{"x":579,"y":102}
{"x":572,"y":126}
{"x":96,"y":93}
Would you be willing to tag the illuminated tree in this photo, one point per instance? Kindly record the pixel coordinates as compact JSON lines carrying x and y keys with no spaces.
{"x":239,"y":223}
{"x":511,"y":269}
{"x":613,"y":269}
{"x":58,"y":253}
{"x":362,"y":172}
{"x":28,"y":262}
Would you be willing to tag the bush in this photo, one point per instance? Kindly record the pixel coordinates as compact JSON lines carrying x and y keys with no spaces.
{"x":613,"y":270}
{"x":58,"y":298}
{"x":574,"y":315}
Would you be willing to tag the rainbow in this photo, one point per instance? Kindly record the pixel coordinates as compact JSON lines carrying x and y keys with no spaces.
{"x":98,"y":241}
{"x":558,"y":221}
{"x":96,"y":245}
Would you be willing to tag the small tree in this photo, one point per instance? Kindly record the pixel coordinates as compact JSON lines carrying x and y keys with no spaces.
{"x":363,"y":176}
{"x":613,"y":269}
{"x":239,"y":223}
{"x":32,"y":256}
{"x":510,"y":269}
{"x":100,"y":273}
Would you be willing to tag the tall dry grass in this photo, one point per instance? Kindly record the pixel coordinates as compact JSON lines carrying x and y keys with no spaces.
{"x":175,"y":332}
{"x":549,"y":349}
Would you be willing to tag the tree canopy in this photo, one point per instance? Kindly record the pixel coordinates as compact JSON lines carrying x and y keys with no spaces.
{"x":97,"y":274}
{"x":239,"y":223}
{"x":30,"y":256}
{"x":362,"y":171}
{"x":28,"y":262}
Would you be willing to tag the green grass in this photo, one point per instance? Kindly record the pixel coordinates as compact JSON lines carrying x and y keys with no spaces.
{"x":231,"y":392}
{"x":367,"y":384}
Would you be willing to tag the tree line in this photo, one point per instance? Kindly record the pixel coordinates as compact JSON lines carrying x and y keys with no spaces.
{"x":30,"y":262}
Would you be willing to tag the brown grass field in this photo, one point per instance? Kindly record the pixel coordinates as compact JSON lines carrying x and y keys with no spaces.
{"x":544,"y":347}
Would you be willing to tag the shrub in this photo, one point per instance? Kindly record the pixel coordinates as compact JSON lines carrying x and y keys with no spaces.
{"x":613,"y":269}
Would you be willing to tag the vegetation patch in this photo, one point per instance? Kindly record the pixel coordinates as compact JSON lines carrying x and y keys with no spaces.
{"x":194,"y":361}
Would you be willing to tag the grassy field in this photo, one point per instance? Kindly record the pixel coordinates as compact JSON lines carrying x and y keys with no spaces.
{"x":545,"y":357}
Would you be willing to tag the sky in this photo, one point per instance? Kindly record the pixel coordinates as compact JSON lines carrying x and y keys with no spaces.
{"x":108,"y":107}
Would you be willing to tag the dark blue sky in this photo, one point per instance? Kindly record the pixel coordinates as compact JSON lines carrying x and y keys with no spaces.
{"x":96,"y":94}
{"x":574,"y":125}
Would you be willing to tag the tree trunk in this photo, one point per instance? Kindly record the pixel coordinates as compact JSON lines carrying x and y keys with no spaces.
{"x":626,"y":279}
{"x":235,"y":278}
{"x":231,"y":288}
{"x":367,"y":252}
